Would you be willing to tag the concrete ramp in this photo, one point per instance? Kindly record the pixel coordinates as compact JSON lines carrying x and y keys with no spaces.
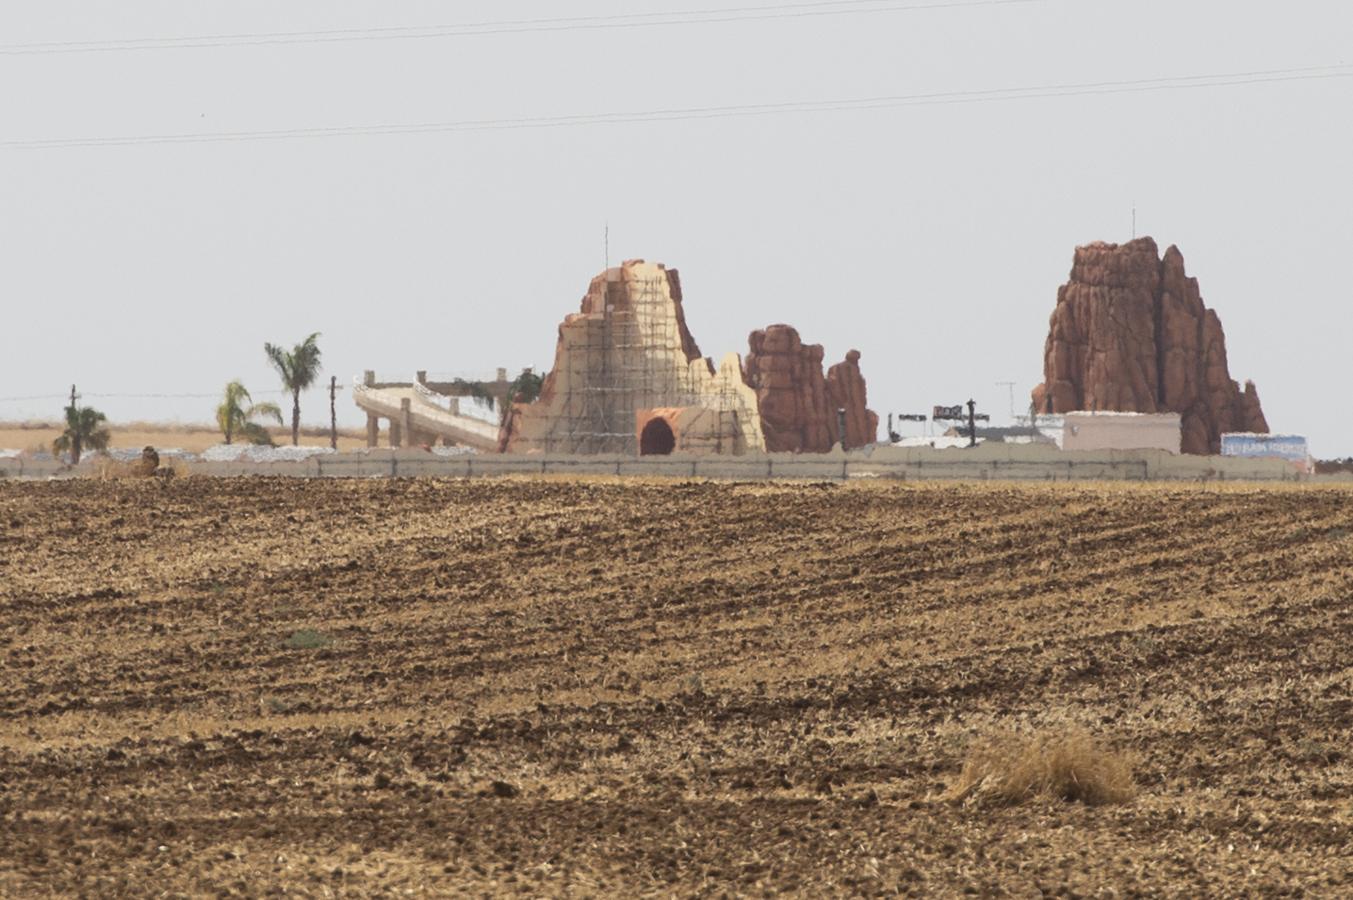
{"x":416,"y":411}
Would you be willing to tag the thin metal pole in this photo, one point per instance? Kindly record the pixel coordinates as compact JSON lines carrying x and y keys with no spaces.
{"x":333,"y":412}
{"x":1011,"y":386}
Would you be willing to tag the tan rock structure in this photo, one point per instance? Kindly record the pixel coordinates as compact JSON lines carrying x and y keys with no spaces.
{"x":628,"y":378}
{"x":628,"y":354}
{"x":1130,"y":333}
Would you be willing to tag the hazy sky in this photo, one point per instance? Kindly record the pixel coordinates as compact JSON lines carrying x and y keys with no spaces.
{"x":930,"y":237}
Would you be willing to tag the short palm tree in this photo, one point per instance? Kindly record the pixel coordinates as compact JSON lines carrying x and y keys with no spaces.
{"x":236,"y":412}
{"x":525,"y":389}
{"x":84,"y":431}
{"x":298,"y":369}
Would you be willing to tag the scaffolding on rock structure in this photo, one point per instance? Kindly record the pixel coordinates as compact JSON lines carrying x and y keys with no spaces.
{"x":631,"y":358}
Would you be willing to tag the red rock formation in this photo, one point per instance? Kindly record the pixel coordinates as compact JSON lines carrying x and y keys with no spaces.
{"x":798,"y":405}
{"x":790,"y":390}
{"x":1130,"y":333}
{"x":846,"y":390}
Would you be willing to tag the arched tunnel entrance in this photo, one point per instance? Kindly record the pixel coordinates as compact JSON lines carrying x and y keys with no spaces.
{"x":657,"y":438}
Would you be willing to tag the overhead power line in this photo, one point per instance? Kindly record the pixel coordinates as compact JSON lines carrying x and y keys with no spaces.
{"x":33,"y":397}
{"x":509,"y":26}
{"x":152,"y":396}
{"x":993,"y":95}
{"x":214,"y":396}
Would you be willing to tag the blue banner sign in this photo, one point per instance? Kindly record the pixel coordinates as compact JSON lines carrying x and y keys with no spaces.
{"x":1280,"y":446}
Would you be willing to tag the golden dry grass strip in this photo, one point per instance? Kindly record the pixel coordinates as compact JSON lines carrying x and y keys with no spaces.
{"x":1010,"y":768}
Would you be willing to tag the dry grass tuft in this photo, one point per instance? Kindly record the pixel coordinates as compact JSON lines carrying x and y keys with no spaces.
{"x":106,"y":469}
{"x":1006,"y":769}
{"x":110,"y":469}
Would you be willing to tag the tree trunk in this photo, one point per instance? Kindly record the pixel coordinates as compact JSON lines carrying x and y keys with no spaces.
{"x":295,"y":418}
{"x":230,"y":421}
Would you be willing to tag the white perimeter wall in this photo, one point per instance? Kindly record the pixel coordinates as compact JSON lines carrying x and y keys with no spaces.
{"x":988,"y":462}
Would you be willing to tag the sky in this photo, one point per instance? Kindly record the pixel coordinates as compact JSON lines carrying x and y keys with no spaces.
{"x":931,"y":236}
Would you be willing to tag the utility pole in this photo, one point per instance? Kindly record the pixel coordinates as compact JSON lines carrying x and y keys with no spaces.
{"x":72,"y":396}
{"x":972,"y":423}
{"x":333,"y":412}
{"x":1011,"y":386}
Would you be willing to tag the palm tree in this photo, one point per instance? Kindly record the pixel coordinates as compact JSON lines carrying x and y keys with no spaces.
{"x":236,"y":411}
{"x":298,"y":370}
{"x":525,"y":389}
{"x":84,"y":431}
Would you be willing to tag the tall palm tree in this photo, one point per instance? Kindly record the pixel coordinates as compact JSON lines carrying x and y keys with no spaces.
{"x":84,"y":431}
{"x":298,"y":369}
{"x":236,"y":412}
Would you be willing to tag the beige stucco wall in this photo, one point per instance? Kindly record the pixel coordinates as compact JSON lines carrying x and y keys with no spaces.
{"x":1121,"y":431}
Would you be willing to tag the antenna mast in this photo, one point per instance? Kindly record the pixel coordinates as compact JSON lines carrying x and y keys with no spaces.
{"x":1011,"y":386}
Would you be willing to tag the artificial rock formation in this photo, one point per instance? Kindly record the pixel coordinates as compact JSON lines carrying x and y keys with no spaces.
{"x":798,"y":404}
{"x":791,"y":391}
{"x":1130,"y":333}
{"x":628,"y":377}
{"x":627,"y":352}
{"x":846,"y":390}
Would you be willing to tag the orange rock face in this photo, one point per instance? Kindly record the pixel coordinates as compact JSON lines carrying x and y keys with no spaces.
{"x":846,"y":390}
{"x":798,"y":404}
{"x":790,"y":389}
{"x":1130,"y":333}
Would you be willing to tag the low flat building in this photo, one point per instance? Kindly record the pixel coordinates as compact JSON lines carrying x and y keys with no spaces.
{"x":1004,"y":434}
{"x":1121,"y":431}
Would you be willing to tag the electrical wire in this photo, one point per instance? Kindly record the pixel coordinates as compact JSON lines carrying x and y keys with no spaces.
{"x":1179,"y":82}
{"x":115,"y":396}
{"x":510,"y":26}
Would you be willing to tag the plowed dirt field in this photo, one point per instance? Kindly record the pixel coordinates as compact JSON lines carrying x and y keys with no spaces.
{"x":217,"y":687}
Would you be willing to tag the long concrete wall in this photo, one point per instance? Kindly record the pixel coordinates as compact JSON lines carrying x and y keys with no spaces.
{"x":989,"y":462}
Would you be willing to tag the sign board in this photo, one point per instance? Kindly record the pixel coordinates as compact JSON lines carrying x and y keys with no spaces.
{"x":1259,"y":446}
{"x":960,"y":413}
